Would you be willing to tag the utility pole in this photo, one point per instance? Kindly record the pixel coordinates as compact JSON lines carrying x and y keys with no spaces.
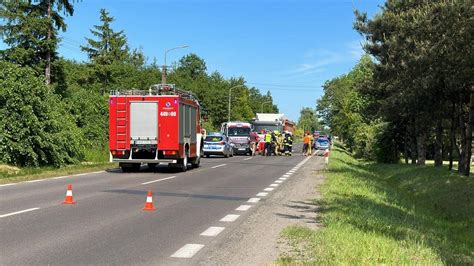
{"x":163,"y":73}
{"x":261,"y":109}
{"x":48,"y":52}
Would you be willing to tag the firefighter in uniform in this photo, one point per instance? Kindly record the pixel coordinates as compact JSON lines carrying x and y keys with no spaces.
{"x":279,"y":143}
{"x":288,"y":143}
{"x":268,"y":143}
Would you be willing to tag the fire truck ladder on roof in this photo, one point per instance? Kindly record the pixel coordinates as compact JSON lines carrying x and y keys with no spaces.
{"x":170,"y":89}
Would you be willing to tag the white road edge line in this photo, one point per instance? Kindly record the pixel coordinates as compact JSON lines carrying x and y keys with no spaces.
{"x":81,"y":174}
{"x":163,"y":179}
{"x":98,"y":172}
{"x":248,"y":159}
{"x":187,"y":251}
{"x":230,"y":218}
{"x":262,"y":194}
{"x":34,"y":181}
{"x":213,"y":231}
{"x":59,"y":177}
{"x":220,"y":165}
{"x":243,"y":208}
{"x":10,"y":184}
{"x":253,"y":200}
{"x":18,"y":212}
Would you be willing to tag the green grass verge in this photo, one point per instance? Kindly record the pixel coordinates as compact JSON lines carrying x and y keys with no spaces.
{"x":9,"y":174}
{"x":388,"y":214}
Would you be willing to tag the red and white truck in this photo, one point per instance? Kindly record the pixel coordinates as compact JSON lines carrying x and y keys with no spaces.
{"x":155,"y":126}
{"x":269,"y":121}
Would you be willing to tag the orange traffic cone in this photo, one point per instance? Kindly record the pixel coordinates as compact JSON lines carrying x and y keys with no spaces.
{"x":149,"y":202}
{"x":69,"y":199}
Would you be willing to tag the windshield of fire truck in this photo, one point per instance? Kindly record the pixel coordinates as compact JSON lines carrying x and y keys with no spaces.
{"x":239,"y":131}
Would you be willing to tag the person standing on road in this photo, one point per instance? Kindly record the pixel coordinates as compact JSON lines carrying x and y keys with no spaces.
{"x":268,"y":143}
{"x":306,"y":143}
{"x":288,"y":142}
{"x":253,"y":142}
{"x":310,"y":145}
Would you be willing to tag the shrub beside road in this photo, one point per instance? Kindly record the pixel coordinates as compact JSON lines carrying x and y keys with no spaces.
{"x":388,"y":214}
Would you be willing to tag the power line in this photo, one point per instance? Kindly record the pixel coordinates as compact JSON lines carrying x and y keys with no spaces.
{"x":279,"y":85}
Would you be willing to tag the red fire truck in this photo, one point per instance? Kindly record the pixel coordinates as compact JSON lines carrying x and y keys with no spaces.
{"x":155,"y":126}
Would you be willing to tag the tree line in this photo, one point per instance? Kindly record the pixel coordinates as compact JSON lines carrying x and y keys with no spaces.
{"x":54,"y":110}
{"x":411,"y":96}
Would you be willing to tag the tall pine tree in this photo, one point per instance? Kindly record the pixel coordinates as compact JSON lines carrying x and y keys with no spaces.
{"x":31,"y":32}
{"x":107,"y":49}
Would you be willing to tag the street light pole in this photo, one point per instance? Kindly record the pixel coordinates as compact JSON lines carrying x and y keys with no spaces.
{"x":163,"y":73}
{"x":230,"y":89}
{"x":261,"y":110}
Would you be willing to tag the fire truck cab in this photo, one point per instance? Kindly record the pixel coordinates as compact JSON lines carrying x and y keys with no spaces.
{"x":156,"y":126}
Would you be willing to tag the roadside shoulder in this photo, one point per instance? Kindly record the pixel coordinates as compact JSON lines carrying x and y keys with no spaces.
{"x":257,"y":240}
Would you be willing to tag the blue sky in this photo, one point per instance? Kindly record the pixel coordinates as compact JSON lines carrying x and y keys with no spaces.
{"x":289,"y":47}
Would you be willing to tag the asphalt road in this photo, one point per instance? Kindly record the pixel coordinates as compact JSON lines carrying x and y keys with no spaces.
{"x":108,"y":226}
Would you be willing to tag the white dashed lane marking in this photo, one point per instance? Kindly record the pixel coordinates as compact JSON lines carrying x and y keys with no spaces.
{"x":248,"y":159}
{"x":18,"y":212}
{"x":274,"y":185}
{"x":282,"y":178}
{"x":286,"y":175}
{"x":213,"y":231}
{"x":279,"y":181}
{"x":262,"y":194}
{"x":230,"y":218}
{"x":243,"y":208}
{"x":154,"y":181}
{"x":217,"y":166}
{"x":187,"y":251}
{"x":253,"y":200}
{"x":269,"y":189}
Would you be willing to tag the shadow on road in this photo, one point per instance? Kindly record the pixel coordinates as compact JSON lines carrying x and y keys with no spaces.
{"x":179,"y":195}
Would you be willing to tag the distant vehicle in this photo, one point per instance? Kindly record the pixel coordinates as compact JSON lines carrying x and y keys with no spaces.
{"x":322,"y":144}
{"x":238,"y":134}
{"x":273,"y":122}
{"x":217,"y":144}
{"x":159,"y":125}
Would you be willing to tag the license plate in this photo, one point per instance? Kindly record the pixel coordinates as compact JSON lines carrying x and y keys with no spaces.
{"x":242,"y":149}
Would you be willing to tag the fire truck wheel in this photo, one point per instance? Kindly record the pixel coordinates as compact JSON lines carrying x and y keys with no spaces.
{"x":136,"y":167}
{"x":152,"y":165}
{"x":183,"y":163}
{"x":196,"y":162}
